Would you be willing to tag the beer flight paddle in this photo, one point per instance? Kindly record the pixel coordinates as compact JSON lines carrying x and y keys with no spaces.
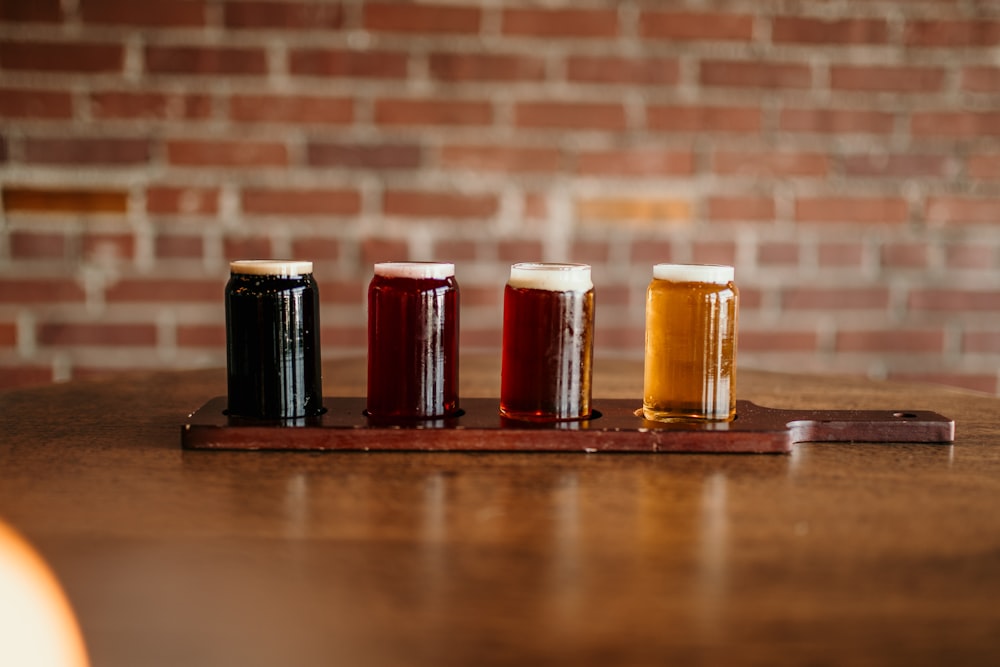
{"x":545,"y":405}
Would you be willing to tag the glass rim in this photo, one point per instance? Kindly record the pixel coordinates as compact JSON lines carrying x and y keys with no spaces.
{"x":270,"y":267}
{"x":551,"y":276}
{"x":715,"y":274}
{"x":415,"y":269}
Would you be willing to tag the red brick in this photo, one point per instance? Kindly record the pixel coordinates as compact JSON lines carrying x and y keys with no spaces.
{"x":226,"y":153}
{"x":775,"y":253}
{"x":713,"y":252}
{"x":316,"y":248}
{"x":486,"y":67}
{"x":981,"y":79}
{"x":867,"y":210}
{"x":754,"y":208}
{"x":37,"y":56}
{"x":36,"y":11}
{"x":364,"y":156}
{"x":206,"y":60}
{"x":201,"y":335}
{"x":899,"y":341}
{"x":245,"y":247}
{"x":178,"y":246}
{"x":755,"y":74}
{"x":636,"y":162}
{"x":404,"y":17}
{"x":342,"y":63}
{"x":165,"y":289}
{"x":38,"y":290}
{"x":591,"y":252}
{"x":840,"y":255}
{"x":621,"y":70}
{"x":473,"y":295}
{"x":962,"y":124}
{"x":900,"y":165}
{"x":149,"y":13}
{"x":501,"y":158}
{"x":686,"y":26}
{"x":417,"y":112}
{"x":944,"y":33}
{"x":981,"y":342}
{"x":520,"y":250}
{"x":42,"y":200}
{"x":651,"y":251}
{"x":24,"y":244}
{"x":108,"y":245}
{"x":8,"y":334}
{"x":535,"y":206}
{"x":297,"y":201}
{"x":977,"y":382}
{"x":703,"y":119}
{"x":905,"y":255}
{"x":984,"y":166}
{"x":958,"y":209}
{"x":770,"y":163}
{"x":835,"y":298}
{"x":954,"y":300}
{"x":777,"y":341}
{"x":269,"y":15}
{"x":962,"y":256}
{"x":836,"y":121}
{"x":3,"y":149}
{"x":456,"y":250}
{"x":297,"y":109}
{"x":100,"y":334}
{"x":350,"y":292}
{"x":633,"y":208}
{"x":345,"y":336}
{"x":560,"y":22}
{"x":428,"y":204}
{"x":24,"y":376}
{"x":374,"y":250}
{"x":106,"y":151}
{"x":35,"y":104}
{"x":570,"y":115}
{"x":189,"y":200}
{"x":802,"y":30}
{"x":149,"y":106}
{"x":901,"y":79}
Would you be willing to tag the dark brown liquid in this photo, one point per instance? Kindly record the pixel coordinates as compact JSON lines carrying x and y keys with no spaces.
{"x":412,"y":347}
{"x":273,"y":347}
{"x":548,"y":340}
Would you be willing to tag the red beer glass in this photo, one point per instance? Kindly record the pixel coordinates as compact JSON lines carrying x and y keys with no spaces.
{"x":548,"y":341}
{"x":413,"y":340}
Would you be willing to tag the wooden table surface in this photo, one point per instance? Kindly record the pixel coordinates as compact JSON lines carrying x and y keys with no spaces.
{"x":836,"y":554}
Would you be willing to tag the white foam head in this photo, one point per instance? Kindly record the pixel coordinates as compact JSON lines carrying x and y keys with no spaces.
{"x":712,"y":274}
{"x":434,"y":270}
{"x":551,"y":276}
{"x":271,"y":267}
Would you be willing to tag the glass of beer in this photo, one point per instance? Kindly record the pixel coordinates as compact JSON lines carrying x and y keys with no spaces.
{"x":413,"y":340}
{"x":548,"y":341}
{"x":690,"y":362}
{"x":272,"y":340}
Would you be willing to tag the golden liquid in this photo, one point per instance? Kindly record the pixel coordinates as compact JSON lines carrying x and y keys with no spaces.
{"x":690,"y":363}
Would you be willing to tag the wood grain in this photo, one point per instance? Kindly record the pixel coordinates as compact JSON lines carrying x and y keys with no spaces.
{"x":861,"y":554}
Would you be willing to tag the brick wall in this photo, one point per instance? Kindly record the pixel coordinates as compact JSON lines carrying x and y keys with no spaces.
{"x":844,"y":156}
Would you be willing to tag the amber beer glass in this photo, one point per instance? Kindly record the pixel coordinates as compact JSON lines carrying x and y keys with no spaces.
{"x":272,"y":340}
{"x":690,"y":363}
{"x":413,"y":340}
{"x":548,"y":341}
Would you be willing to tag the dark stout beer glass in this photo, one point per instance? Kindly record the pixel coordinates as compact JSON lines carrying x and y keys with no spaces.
{"x":548,"y":341}
{"x":413,"y":340}
{"x":272,"y":340}
{"x":690,"y":362}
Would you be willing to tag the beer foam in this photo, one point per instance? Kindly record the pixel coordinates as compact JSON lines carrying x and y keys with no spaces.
{"x":434,"y":270}
{"x":271,"y":267}
{"x":550,"y":276}
{"x":713,"y":274}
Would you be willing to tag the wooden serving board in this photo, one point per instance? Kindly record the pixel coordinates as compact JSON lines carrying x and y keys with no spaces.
{"x":614,"y":428}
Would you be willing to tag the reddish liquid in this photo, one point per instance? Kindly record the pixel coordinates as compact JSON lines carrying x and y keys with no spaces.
{"x":548,"y":341}
{"x":412,"y":347}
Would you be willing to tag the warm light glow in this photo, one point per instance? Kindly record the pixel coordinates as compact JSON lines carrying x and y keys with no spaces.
{"x":37,"y":626}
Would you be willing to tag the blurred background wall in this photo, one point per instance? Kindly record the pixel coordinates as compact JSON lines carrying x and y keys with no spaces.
{"x":845,"y":156}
